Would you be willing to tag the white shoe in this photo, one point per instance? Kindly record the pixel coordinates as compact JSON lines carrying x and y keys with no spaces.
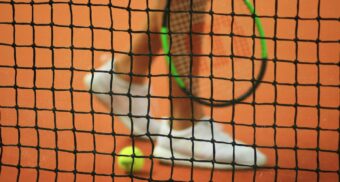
{"x":203,"y":150}
{"x":113,"y":92}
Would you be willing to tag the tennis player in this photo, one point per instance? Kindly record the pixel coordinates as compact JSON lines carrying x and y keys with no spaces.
{"x":204,"y":143}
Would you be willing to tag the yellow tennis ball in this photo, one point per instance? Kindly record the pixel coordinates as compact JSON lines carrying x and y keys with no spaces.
{"x":128,"y":156}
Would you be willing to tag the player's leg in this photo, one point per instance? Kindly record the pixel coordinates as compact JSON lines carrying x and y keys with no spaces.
{"x":185,"y":111}
{"x":112,"y":86}
{"x":196,"y":136}
{"x":143,"y":46}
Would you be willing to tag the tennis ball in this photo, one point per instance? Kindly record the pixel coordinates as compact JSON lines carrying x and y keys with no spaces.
{"x":127,"y":157}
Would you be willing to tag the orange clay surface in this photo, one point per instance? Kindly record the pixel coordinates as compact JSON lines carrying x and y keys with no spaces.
{"x":56,"y":143}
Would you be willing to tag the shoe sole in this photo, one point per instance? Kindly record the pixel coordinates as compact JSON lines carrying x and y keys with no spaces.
{"x":162,"y":155}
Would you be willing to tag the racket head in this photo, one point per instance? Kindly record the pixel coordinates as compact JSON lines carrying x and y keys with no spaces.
{"x":211,"y":55}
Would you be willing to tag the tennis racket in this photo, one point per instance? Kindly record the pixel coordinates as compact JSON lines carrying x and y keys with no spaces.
{"x":210,"y":56}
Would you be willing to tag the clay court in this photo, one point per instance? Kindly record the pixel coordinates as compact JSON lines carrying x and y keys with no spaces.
{"x":53,"y":129}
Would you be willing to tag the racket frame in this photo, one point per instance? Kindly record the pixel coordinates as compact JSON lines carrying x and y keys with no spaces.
{"x":179,"y":80}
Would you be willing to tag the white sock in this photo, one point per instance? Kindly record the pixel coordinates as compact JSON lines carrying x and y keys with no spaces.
{"x":103,"y":82}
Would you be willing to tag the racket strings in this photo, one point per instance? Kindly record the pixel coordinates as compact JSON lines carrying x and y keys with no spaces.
{"x":200,"y":48}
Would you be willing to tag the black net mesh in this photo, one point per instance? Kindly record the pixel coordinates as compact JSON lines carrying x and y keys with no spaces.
{"x":54,"y":129}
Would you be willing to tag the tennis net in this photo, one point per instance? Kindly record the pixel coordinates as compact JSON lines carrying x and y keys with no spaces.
{"x":52,"y":128}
